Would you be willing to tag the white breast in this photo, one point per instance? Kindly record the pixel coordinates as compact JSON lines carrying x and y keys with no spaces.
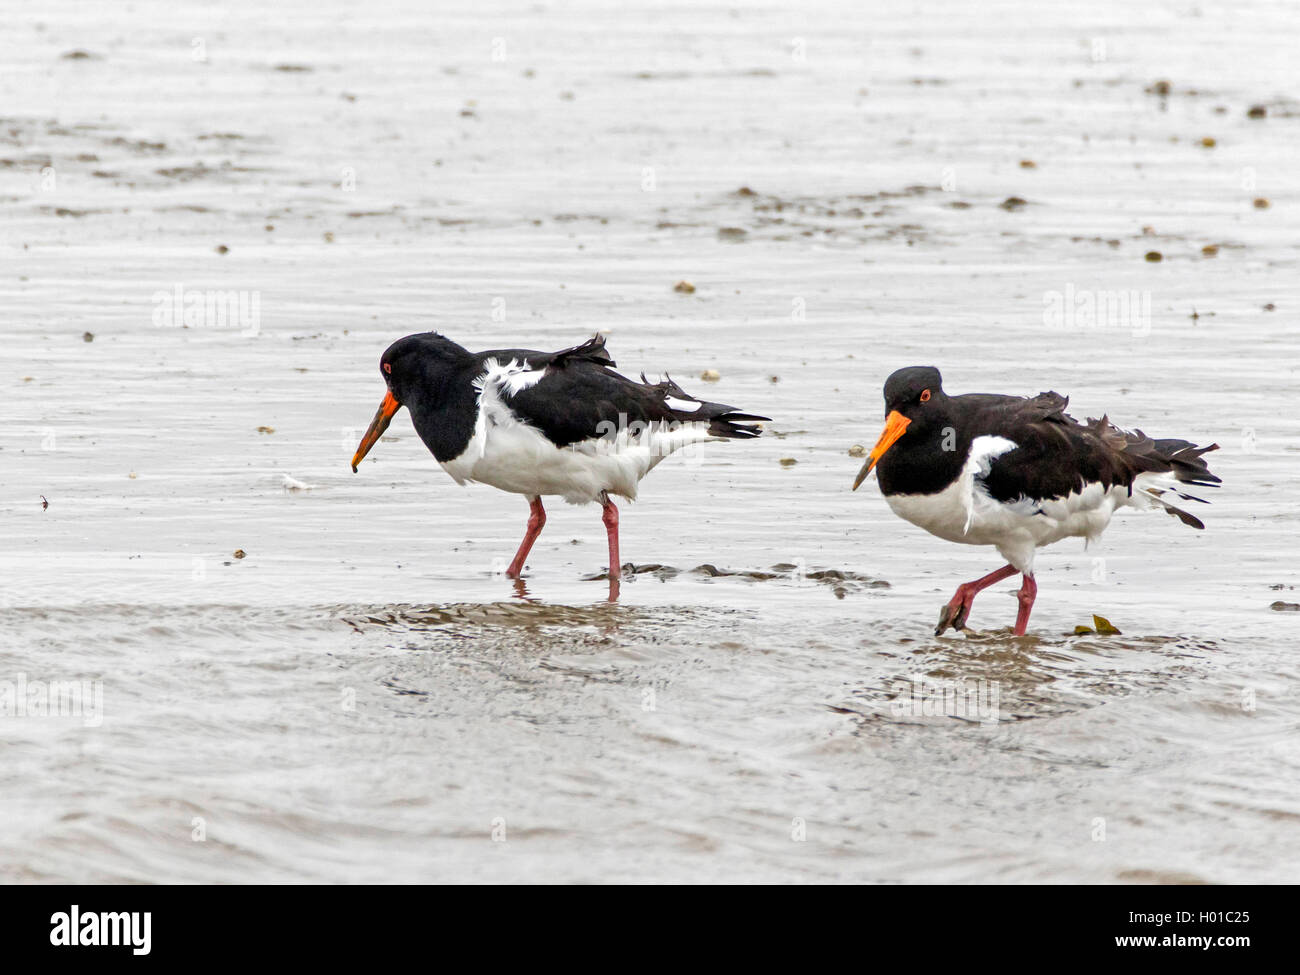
{"x":965,"y":512}
{"x":951,"y":513}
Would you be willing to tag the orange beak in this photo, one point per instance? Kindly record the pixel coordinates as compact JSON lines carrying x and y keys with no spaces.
{"x":378,"y":425}
{"x":895,"y":427}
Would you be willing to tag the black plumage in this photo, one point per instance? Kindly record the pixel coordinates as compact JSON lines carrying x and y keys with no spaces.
{"x":544,"y":423}
{"x":1054,"y":456}
{"x":1017,"y":473}
{"x":579,"y":398}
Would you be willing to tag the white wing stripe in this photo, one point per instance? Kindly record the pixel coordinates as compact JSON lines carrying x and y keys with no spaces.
{"x":983,"y":451}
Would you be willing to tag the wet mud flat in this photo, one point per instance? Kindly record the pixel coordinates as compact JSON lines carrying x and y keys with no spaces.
{"x":362,"y":697}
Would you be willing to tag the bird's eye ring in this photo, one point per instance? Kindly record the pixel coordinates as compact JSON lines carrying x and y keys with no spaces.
{"x":925,"y":396}
{"x":388,"y":368}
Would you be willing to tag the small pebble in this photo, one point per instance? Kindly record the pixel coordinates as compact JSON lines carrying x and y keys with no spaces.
{"x":240,"y":553}
{"x":1154,"y":257}
{"x":1257,"y":111}
{"x":222,"y":249}
{"x":87,"y":336}
{"x":788,"y":462}
{"x":266,"y":429}
{"x":857,"y":450}
{"x":1208,"y":142}
{"x":1012,"y":203}
{"x":1261,"y":203}
{"x":1210,"y":250}
{"x":329,"y":236}
{"x":1160,"y":88}
{"x":710,"y":375}
{"x":1028,"y":164}
{"x":684,"y":288}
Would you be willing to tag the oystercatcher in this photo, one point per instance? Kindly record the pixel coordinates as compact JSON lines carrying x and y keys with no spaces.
{"x":544,"y":423}
{"x":1017,"y":473}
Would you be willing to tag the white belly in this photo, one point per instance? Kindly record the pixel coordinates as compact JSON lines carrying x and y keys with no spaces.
{"x":510,"y":455}
{"x":965,"y":512}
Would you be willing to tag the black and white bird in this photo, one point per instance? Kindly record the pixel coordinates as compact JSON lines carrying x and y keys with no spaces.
{"x":1017,"y":473}
{"x":544,"y":423}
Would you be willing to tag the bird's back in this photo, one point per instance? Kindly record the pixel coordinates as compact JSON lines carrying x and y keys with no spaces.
{"x":566,"y":423}
{"x":576,"y":395}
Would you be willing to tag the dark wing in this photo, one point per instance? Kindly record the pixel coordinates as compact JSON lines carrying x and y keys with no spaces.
{"x":1056,"y":455}
{"x":581,"y":397}
{"x":593,"y":350}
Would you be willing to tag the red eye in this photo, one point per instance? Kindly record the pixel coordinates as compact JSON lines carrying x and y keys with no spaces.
{"x":925,"y":396}
{"x":388,"y":368}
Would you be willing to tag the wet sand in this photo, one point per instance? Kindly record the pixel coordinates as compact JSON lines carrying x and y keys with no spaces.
{"x":363,"y":697}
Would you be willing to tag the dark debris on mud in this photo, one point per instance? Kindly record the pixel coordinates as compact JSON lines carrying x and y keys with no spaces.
{"x":840,"y":581}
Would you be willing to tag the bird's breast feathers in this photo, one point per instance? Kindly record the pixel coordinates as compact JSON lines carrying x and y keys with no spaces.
{"x":966,"y":512}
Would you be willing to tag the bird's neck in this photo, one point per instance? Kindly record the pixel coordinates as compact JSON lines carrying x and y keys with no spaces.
{"x":925,"y":460}
{"x":444,"y":409}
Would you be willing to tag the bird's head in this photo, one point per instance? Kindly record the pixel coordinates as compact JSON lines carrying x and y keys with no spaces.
{"x":913,"y":403}
{"x":412,"y":368}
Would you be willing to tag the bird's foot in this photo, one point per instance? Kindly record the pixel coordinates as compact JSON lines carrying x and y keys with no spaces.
{"x":952,"y":615}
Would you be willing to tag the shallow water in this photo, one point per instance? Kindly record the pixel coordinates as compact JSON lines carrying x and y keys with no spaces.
{"x":363,"y":696}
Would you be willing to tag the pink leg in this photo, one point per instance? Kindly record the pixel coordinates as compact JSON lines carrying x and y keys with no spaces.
{"x":536,"y":519}
{"x":954,"y":614}
{"x":610,"y":518}
{"x":1028,"y":590}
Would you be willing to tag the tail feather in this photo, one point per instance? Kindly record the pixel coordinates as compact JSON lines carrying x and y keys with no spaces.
{"x":1164,"y":466}
{"x":1187,"y":519}
{"x":731,"y":424}
{"x":724,"y":421}
{"x":1184,"y":459}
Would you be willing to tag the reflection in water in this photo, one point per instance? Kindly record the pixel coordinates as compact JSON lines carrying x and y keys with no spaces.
{"x":526,"y":612}
{"x":995,"y":678}
{"x":401,"y":729}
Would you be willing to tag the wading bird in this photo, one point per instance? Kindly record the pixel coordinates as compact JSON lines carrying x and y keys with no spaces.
{"x":1017,"y":473}
{"x":544,"y":423}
